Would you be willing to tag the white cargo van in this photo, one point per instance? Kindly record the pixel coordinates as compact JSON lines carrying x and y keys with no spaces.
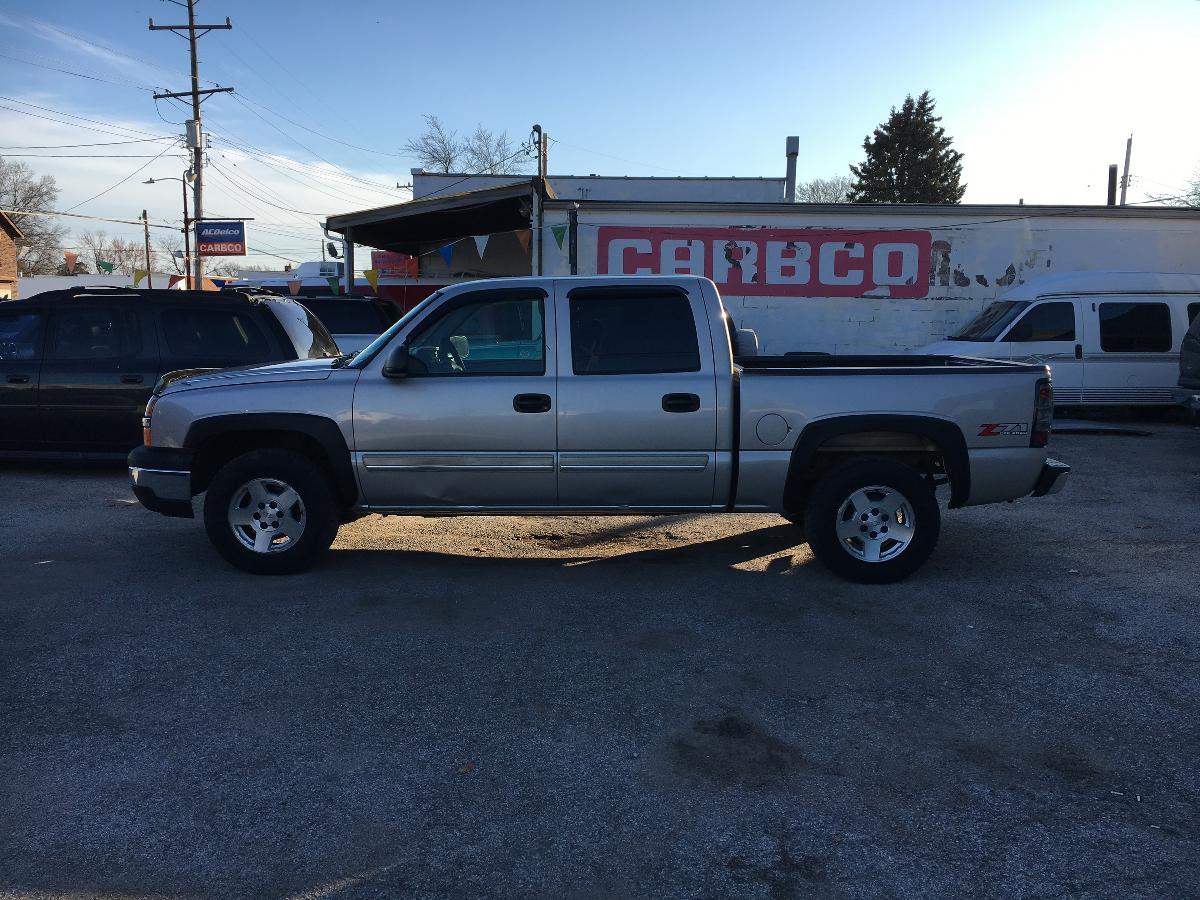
{"x":1110,"y":338}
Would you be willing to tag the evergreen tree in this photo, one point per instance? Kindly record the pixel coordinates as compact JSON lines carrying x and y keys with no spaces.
{"x":909,"y":159}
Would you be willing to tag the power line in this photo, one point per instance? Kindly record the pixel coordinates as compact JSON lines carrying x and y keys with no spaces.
{"x":71,"y":146}
{"x":27,"y":62}
{"x":119,"y":183}
{"x":105,"y":125}
{"x":83,"y":155}
{"x":68,"y":215}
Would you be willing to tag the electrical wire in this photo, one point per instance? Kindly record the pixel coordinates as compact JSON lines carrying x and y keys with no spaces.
{"x":27,"y":62}
{"x":106,"y":125}
{"x":119,"y":183}
{"x":72,"y":146}
{"x":67,"y":215}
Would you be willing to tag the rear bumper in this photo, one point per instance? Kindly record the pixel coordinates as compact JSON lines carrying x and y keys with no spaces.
{"x":161,"y":478}
{"x":1052,"y":479}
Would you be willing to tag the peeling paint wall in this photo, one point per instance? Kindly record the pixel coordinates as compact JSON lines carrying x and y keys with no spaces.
{"x":970,"y":262}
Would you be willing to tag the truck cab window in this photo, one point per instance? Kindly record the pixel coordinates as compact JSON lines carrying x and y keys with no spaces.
{"x":492,"y":335}
{"x":1046,"y":322}
{"x":632,"y":332}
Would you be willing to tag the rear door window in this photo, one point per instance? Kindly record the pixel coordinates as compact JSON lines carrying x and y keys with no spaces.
{"x":1135,"y":327}
{"x":1193,"y":312}
{"x":1045,"y":322}
{"x":632,"y":332}
{"x":21,"y":336}
{"x":220,"y":335}
{"x":342,"y":316}
{"x":95,"y":333}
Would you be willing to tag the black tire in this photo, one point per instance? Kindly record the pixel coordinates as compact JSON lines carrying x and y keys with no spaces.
{"x":827,"y":502}
{"x":317,"y":511}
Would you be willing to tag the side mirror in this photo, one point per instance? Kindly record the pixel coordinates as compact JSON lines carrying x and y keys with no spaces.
{"x":396,"y":365}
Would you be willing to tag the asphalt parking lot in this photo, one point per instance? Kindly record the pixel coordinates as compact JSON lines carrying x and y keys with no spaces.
{"x":607,"y":707}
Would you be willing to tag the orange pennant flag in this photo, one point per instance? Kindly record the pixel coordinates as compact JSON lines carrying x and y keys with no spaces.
{"x":71,"y":260}
{"x":523,"y":237}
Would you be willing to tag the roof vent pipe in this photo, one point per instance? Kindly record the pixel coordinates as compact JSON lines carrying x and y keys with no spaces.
{"x":793,"y":150}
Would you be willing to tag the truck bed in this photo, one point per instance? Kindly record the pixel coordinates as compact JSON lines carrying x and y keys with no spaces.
{"x":823,"y":364}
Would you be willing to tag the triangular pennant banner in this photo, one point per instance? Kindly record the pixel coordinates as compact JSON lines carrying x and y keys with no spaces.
{"x":481,"y":243}
{"x":335,"y":284}
{"x":523,"y":237}
{"x":372,"y":278}
{"x":447,"y":253}
{"x":174,"y":280}
{"x":294,"y":286}
{"x":104,"y":266}
{"x":138,"y":275}
{"x":559,"y":232}
{"x":71,"y":259}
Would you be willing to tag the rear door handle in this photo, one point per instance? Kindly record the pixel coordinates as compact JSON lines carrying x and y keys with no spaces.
{"x":131,"y":379}
{"x":531,"y":403}
{"x":18,"y":379}
{"x":1079,"y":351}
{"x":680,"y":403}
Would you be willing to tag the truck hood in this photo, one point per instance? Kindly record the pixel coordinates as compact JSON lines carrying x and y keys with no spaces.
{"x":960,"y":348}
{"x":296,"y":370}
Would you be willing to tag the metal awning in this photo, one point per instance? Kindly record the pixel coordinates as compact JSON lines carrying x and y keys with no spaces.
{"x":405,"y":227}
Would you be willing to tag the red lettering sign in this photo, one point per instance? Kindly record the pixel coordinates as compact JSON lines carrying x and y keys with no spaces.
{"x":775,"y":262}
{"x":221,"y":248}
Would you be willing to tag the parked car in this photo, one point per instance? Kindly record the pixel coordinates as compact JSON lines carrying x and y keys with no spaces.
{"x":354,"y":320}
{"x":1189,"y":365}
{"x":593,"y":395}
{"x":77,"y":366}
{"x":1110,"y":338}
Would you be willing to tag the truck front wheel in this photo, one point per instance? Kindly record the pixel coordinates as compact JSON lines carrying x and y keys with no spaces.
{"x":873,"y":520}
{"x":271,"y":512}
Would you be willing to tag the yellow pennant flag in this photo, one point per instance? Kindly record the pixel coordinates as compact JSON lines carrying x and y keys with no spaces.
{"x":372,"y":278}
{"x":138,"y":275}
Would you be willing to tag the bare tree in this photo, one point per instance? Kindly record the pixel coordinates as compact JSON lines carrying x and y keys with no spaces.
{"x":437,"y":148}
{"x":824,"y":190}
{"x":22,"y":189}
{"x":485,"y":152}
{"x":489,"y":153}
{"x":168,"y":253}
{"x":124,"y":255}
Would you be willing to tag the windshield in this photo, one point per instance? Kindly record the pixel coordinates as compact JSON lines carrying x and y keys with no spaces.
{"x":305,"y":330}
{"x":988,"y":325}
{"x":367,"y":353}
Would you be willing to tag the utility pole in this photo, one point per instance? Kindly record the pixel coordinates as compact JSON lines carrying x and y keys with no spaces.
{"x":149,"y":268}
{"x":1112,"y":185}
{"x":187,"y":238}
{"x":195,"y":133}
{"x":1125,"y":175}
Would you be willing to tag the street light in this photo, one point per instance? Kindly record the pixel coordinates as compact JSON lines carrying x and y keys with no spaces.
{"x":188,"y":177}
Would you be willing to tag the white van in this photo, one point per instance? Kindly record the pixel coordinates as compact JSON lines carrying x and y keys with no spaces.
{"x":1110,"y":338}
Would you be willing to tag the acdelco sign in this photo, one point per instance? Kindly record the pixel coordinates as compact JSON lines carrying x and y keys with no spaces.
{"x":221,"y":238}
{"x":775,"y":262}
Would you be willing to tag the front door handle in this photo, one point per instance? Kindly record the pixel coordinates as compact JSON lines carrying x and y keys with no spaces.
{"x":680,"y":402}
{"x":131,"y":379}
{"x":1079,"y":351}
{"x":531,"y":403}
{"x":18,"y":379}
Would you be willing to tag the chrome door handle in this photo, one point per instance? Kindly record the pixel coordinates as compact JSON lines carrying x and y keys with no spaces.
{"x":131,"y":379}
{"x":18,"y":379}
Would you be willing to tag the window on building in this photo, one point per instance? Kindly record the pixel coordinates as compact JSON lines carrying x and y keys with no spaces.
{"x":220,"y":335}
{"x":1045,"y":322}
{"x":93,"y":333}
{"x":631,"y":331}
{"x":20,"y":336}
{"x":1135,"y":327}
{"x":488,"y":333}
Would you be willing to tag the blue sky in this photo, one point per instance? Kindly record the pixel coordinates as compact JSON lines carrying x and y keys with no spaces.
{"x":1038,"y":96}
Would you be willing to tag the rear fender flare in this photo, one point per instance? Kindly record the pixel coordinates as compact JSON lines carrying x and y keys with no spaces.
{"x":945,"y":434}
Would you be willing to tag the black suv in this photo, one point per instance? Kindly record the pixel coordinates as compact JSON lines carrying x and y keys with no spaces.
{"x":77,"y":366}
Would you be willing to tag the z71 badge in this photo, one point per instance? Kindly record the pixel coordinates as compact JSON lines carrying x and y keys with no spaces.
{"x":1002,"y":429}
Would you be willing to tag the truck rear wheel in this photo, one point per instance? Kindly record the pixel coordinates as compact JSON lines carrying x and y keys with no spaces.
{"x":271,"y":512}
{"x":873,"y":521}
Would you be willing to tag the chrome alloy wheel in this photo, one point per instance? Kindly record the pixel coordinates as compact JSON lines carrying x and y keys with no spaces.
{"x":875,"y":524}
{"x":266,"y":515}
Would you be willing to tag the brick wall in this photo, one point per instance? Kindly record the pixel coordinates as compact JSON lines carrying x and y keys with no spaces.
{"x":8,"y":264}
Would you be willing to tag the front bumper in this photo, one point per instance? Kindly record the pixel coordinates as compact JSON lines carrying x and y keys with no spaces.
{"x":162,"y":480}
{"x":1189,"y":398}
{"x":1052,"y":479}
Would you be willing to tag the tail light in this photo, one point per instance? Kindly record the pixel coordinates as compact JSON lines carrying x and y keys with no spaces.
{"x":146,"y":418}
{"x":1043,"y":413}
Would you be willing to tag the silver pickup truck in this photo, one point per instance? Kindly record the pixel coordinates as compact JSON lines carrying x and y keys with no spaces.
{"x":589,"y":395}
